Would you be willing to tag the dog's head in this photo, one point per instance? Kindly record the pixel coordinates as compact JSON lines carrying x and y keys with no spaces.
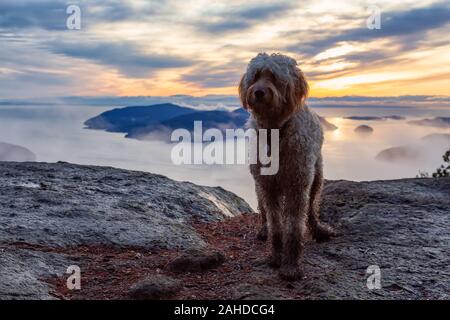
{"x":273,"y":87}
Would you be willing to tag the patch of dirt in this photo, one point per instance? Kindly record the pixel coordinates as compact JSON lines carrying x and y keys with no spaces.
{"x":108,"y":273}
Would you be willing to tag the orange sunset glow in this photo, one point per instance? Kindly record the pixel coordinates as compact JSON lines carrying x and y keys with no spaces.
{"x":161,"y":48}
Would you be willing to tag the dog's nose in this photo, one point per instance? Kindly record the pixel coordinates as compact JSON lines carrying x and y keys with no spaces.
{"x":259,"y":94}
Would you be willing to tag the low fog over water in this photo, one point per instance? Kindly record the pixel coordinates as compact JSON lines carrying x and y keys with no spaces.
{"x":56,"y":134}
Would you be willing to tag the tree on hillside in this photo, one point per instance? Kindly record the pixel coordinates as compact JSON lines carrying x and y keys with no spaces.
{"x":443,"y":170}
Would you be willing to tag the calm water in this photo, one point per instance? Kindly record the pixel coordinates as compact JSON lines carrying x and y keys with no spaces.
{"x":57,"y":134}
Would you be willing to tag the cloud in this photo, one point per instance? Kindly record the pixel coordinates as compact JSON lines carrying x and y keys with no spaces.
{"x":124,"y":56}
{"x":412,"y":24}
{"x":29,"y":82}
{"x":124,"y":41}
{"x":224,"y":75}
{"x":351,"y":61}
{"x":241,"y":18}
{"x":42,"y":78}
{"x":224,"y":26}
{"x":262,"y":12}
{"x":51,"y":15}
{"x":213,"y":79}
{"x":232,"y":101}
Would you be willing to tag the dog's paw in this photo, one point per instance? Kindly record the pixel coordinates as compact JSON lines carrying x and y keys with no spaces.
{"x":291,"y":272}
{"x":263,"y":234}
{"x":324,"y":233}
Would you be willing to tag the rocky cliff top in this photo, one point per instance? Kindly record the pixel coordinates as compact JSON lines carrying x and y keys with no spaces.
{"x":63,"y":205}
{"x":125,"y":230}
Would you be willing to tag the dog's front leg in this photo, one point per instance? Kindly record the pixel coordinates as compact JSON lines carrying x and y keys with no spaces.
{"x":295,"y":218}
{"x":269,"y":200}
{"x":275,"y":235}
{"x":269,"y":206}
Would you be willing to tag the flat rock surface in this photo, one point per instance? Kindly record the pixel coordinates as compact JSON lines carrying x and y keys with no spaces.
{"x":60,"y":205}
{"x":121,"y":227}
{"x":398,"y":225}
{"x":22,"y":273}
{"x":57,"y":206}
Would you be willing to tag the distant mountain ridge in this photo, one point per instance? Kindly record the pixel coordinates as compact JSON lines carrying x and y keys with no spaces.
{"x":130,"y":118}
{"x":372,"y":118}
{"x":433,"y":144}
{"x":438,"y":122}
{"x":155,"y":122}
{"x":210,"y":119}
{"x":12,"y":152}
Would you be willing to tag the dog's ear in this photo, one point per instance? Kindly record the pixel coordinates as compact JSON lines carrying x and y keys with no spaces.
{"x":243,"y":92}
{"x":297,"y":90}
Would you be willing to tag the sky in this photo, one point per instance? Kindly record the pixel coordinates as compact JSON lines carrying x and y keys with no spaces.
{"x":201,"y":47}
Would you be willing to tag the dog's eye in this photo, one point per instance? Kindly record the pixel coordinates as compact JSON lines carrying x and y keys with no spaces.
{"x":272,"y":77}
{"x":267,"y":74}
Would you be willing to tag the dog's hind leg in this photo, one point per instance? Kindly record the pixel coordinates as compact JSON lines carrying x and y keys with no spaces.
{"x":319,"y":230}
{"x":263,"y":231}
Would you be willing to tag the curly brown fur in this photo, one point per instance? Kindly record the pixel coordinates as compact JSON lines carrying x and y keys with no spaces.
{"x":274,"y":90}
